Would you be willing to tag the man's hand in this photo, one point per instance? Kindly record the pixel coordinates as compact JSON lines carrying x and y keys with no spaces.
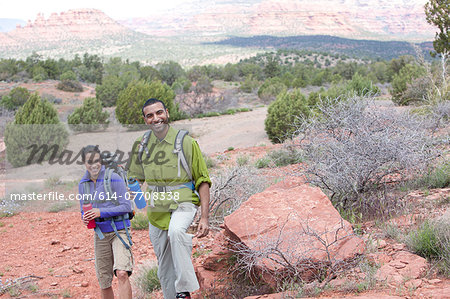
{"x":91,"y":214}
{"x":203,"y":228}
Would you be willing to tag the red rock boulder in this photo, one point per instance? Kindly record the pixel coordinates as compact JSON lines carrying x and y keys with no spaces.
{"x":291,"y":229}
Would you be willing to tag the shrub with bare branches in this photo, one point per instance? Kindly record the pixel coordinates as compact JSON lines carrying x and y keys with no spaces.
{"x":230,"y":188}
{"x":293,"y":256}
{"x":355,"y":151}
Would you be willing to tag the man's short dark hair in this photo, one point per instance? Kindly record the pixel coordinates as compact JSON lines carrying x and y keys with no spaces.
{"x":89,"y":149}
{"x":151,"y":102}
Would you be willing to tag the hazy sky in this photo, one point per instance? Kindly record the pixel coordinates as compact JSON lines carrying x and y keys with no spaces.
{"x":28,"y":9}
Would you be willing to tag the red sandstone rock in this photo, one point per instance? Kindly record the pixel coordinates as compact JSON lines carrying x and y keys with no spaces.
{"x":404,"y":264}
{"x":299,"y":221}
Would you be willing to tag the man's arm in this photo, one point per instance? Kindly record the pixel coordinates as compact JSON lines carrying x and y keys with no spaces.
{"x":203,"y":225}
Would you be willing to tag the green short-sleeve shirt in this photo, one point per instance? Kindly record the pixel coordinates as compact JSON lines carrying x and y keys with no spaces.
{"x":160,"y":167}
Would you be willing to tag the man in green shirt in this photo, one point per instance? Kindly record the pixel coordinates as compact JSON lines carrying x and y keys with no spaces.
{"x":174,"y":190}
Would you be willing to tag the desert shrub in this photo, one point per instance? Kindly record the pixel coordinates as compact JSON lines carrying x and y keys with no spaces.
{"x":68,"y":75}
{"x":169,"y":71}
{"x":131,"y":100}
{"x":402,"y":79}
{"x":109,"y":90}
{"x":230,"y":188}
{"x":362,"y":85}
{"x":181,"y":85}
{"x":435,"y":177}
{"x":282,"y":114}
{"x":146,"y":279}
{"x":15,"y":99}
{"x":286,"y":156}
{"x":354,"y":152}
{"x":89,"y":117}
{"x":210,"y":162}
{"x":36,"y":134}
{"x":140,"y":221}
{"x":416,"y":91}
{"x":242,"y":160}
{"x":432,"y":241}
{"x":70,"y":85}
{"x":249,"y":85}
{"x":263,"y":162}
{"x":60,"y":206}
{"x":9,"y":207}
{"x":271,"y":88}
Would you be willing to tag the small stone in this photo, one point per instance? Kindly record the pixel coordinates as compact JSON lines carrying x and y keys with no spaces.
{"x":54,"y":284}
{"x":77,"y":270}
{"x":54,"y":242}
{"x":399,"y":247}
{"x":66,"y":248}
{"x":84,"y":284}
{"x":397,"y":265}
{"x":413,"y":284}
{"x":434,"y":281}
{"x":381,"y":243}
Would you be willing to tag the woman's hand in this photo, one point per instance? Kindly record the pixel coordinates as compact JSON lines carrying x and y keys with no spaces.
{"x":91,"y":214}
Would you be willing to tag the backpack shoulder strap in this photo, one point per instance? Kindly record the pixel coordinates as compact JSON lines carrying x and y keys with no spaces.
{"x":143,"y":145}
{"x":86,"y":188}
{"x":107,"y":185}
{"x":178,"y":149}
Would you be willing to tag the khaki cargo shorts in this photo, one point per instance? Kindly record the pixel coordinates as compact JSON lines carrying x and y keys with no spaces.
{"x":111,"y":255}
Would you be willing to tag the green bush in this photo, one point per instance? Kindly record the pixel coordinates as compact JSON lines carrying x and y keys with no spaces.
{"x":147,"y":279}
{"x":140,"y":221}
{"x":424,"y":241}
{"x":362,"y":85}
{"x":432,"y":241}
{"x":283,"y":113}
{"x":69,"y":75}
{"x":70,"y":85}
{"x":89,"y":117}
{"x":131,"y":100}
{"x":16,"y":98}
{"x":437,"y":177}
{"x":109,"y":90}
{"x":36,"y":134}
{"x":400,"y":82}
{"x":286,"y":156}
{"x":263,"y":162}
{"x":249,"y":85}
{"x":271,"y":88}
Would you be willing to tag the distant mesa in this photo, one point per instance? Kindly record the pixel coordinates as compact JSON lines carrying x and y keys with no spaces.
{"x":84,"y":24}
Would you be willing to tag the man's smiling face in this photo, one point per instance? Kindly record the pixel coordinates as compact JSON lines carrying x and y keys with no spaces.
{"x":156,"y":117}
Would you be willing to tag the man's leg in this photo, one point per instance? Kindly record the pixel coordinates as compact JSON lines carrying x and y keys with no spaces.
{"x":181,"y":247}
{"x":166,"y":271}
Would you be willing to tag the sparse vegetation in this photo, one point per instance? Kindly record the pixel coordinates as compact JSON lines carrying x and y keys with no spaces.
{"x":146,"y":279}
{"x":432,"y":241}
{"x":139,"y":221}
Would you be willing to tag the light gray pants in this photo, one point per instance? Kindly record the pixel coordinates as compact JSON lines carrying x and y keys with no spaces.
{"x":173,"y":249}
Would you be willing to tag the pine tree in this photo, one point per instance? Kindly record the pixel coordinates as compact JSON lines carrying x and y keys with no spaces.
{"x":438,"y":14}
{"x":89,"y":117}
{"x":36,"y":134}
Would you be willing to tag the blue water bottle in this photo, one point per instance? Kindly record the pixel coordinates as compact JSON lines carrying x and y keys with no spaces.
{"x":139,"y":198}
